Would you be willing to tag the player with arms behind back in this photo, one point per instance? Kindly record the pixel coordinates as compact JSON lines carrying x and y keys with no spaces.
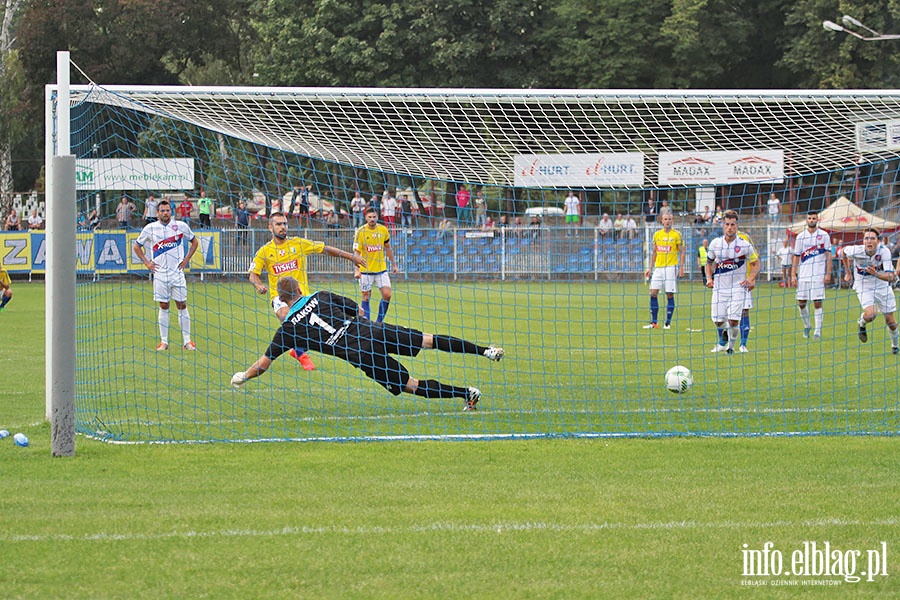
{"x":811,"y":271}
{"x":667,"y":260}
{"x":286,"y":256}
{"x":744,"y":325}
{"x":731,"y":272}
{"x":169,"y":261}
{"x":870,"y":268}
{"x":372,"y":243}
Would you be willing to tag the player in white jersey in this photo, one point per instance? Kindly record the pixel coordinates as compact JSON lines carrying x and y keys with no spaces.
{"x":164,"y":238}
{"x":870,"y":268}
{"x":811,"y":271}
{"x":731,"y":272}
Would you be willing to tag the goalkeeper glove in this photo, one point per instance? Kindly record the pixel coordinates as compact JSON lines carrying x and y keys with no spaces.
{"x":238,"y":379}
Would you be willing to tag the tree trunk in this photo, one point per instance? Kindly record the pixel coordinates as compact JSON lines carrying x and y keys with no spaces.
{"x":6,"y":179}
{"x":11,"y":7}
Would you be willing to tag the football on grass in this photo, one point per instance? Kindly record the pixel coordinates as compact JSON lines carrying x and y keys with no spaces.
{"x":679,"y":379}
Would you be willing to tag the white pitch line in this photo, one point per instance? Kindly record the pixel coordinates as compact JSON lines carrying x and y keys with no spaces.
{"x":440,"y":527}
{"x":20,"y":425}
{"x":392,"y":416}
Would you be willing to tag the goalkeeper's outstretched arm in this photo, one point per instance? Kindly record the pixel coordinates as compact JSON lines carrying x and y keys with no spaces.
{"x":255,"y":370}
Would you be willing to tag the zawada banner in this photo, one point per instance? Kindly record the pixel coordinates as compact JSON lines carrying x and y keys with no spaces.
{"x":100,"y":251}
{"x":721,"y":168}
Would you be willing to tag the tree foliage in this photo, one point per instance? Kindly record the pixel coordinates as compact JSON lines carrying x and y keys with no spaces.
{"x":13,"y":110}
{"x":138,"y":41}
{"x":614,"y":44}
{"x":461,"y":43}
{"x":823,"y":59}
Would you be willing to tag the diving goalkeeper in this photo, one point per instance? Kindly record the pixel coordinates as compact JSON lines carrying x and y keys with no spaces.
{"x":332,"y":324}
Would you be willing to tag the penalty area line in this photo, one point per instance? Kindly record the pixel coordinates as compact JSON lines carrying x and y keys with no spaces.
{"x":441,"y":527}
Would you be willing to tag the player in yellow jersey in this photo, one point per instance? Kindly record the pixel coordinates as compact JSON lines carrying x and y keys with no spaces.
{"x":667,"y":265}
{"x":283,"y":256}
{"x":372,"y":243}
{"x":5,"y":288}
{"x":745,"y":314}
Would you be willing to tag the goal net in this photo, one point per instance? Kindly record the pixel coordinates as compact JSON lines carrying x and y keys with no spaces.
{"x":500,"y":263}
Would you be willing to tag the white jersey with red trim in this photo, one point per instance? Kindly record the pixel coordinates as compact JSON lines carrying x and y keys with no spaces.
{"x":859,"y":260}
{"x":729,"y":260}
{"x":165,"y":243}
{"x":814,"y":250}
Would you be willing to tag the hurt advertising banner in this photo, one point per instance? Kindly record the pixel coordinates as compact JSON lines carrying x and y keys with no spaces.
{"x":579,"y":170}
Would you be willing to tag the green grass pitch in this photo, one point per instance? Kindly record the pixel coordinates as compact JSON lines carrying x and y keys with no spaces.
{"x":566,"y":518}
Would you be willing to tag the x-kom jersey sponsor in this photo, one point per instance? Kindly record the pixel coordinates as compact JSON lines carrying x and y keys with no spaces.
{"x":880,"y":259}
{"x":814,"y":250}
{"x":165,"y":243}
{"x":729,"y":260}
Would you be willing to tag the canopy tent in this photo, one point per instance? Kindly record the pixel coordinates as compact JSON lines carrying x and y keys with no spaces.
{"x":846,"y":221}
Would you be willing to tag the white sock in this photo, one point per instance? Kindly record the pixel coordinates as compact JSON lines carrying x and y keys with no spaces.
{"x":862,"y":321}
{"x":804,"y":314}
{"x":164,"y":325}
{"x":819,"y":316}
{"x":184,"y":321}
{"x":895,"y":337}
{"x":733,"y":334}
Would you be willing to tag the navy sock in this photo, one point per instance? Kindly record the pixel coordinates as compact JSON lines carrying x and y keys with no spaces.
{"x":723,"y":336}
{"x":366,"y":311}
{"x":654,"y":308}
{"x":382,"y":310}
{"x":5,"y":300}
{"x":670,"y":309}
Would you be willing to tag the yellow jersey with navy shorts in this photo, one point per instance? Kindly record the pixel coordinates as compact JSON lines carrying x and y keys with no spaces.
{"x":4,"y":278}
{"x":369,"y":243}
{"x":668,"y":245}
{"x":286,"y":258}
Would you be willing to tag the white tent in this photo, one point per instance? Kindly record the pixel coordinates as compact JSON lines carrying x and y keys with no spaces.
{"x":844,"y":217}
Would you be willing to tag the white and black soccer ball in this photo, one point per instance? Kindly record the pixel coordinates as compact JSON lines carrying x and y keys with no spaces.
{"x":679,"y":379}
